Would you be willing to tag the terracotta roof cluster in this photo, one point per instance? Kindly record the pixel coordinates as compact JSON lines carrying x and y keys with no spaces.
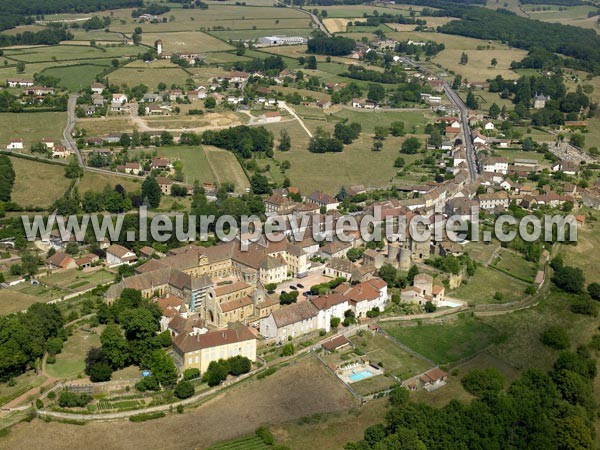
{"x":193,"y":342}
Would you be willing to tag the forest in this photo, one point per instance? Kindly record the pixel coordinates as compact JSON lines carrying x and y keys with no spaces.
{"x":333,"y":46}
{"x":19,"y":13}
{"x":552,"y":410}
{"x":51,"y":35}
{"x":520,"y":32}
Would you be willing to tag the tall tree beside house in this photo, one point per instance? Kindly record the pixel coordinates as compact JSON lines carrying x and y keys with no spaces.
{"x":151,"y":192}
{"x":494,"y":111}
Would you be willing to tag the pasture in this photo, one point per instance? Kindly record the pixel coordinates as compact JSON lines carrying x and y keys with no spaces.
{"x":19,"y":125}
{"x":584,"y":254}
{"x":481,"y":287}
{"x":76,"y":280}
{"x":300,"y":29}
{"x":151,"y":74}
{"x":94,"y":181}
{"x":38,"y":184}
{"x":77,"y":77}
{"x":67,"y":52}
{"x":13,"y":301}
{"x":479,"y":67}
{"x":226,"y":168}
{"x":447,"y":342}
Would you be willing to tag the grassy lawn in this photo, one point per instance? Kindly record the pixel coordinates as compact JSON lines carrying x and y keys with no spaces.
{"x":12,"y":301}
{"x":38,"y":184}
{"x":195,"y":163}
{"x":480,"y":251}
{"x":78,"y":280}
{"x":447,"y":342}
{"x":300,"y":29}
{"x":482,"y":287}
{"x":150,"y":75}
{"x":585,"y":255}
{"x":105,"y":125}
{"x":387,"y":354}
{"x":372,"y":385}
{"x":71,"y":361}
{"x":19,"y":125}
{"x":94,"y":181}
{"x":226,"y":167}
{"x":67,"y":53}
{"x":516,"y":265}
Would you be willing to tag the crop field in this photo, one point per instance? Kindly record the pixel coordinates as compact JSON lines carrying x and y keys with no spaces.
{"x":302,"y":389}
{"x":553,"y":14}
{"x":481,"y":287}
{"x":226,"y":167}
{"x":224,"y":58}
{"x":150,"y":75}
{"x":38,"y":184}
{"x":349,"y":11}
{"x":188,"y":41}
{"x":447,"y":342}
{"x":70,"y":363}
{"x":251,"y":442}
{"x":79,"y":76}
{"x":76,"y":280}
{"x":339,"y":25}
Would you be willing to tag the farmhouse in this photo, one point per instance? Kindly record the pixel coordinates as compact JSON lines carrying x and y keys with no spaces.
{"x":15,"y":144}
{"x":133,"y":168}
{"x":60,"y":261}
{"x":294,"y":320}
{"x":324,"y":200}
{"x":281,"y":40}
{"x":423,"y":290}
{"x":97,"y":88}
{"x":19,"y":82}
{"x":492,"y":201}
{"x":495,"y":165}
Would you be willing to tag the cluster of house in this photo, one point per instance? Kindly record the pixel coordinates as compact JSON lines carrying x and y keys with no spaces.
{"x":30,"y":89}
{"x":54,"y":149}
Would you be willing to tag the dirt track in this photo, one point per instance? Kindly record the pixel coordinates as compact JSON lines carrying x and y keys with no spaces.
{"x":292,"y":392}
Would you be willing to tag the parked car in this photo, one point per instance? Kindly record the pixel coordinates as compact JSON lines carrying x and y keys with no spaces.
{"x":293,"y":287}
{"x":301,"y":286}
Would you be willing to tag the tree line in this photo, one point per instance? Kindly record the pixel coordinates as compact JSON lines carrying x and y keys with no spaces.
{"x":333,"y":46}
{"x":7,"y":178}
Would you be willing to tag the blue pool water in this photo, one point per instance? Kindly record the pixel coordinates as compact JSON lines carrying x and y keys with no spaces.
{"x":363,"y":374}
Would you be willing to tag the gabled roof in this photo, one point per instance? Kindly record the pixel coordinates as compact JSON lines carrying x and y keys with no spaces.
{"x":296,"y":312}
{"x":193,"y":342}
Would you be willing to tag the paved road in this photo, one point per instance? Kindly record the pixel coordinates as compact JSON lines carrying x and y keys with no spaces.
{"x":68,"y":131}
{"x":464,"y":117}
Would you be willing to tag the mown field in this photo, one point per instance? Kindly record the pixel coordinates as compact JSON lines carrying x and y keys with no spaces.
{"x":483,"y":286}
{"x":38,"y":184}
{"x":70,"y":363}
{"x":21,"y":125}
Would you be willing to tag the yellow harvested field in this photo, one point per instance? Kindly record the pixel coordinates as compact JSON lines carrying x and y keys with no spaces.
{"x":187,"y":41}
{"x":339,"y":25}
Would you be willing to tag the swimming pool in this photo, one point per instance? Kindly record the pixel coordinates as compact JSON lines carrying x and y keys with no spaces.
{"x":362,"y":375}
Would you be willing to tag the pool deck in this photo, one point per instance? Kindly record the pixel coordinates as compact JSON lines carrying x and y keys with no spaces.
{"x":345,"y":373}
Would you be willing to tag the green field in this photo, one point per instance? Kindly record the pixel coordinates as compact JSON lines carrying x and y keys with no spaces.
{"x":77,"y":77}
{"x":481,"y":288}
{"x":38,"y":184}
{"x":188,"y":41}
{"x":93,"y":181}
{"x":70,"y":362}
{"x":76,"y":280}
{"x":448,"y":342}
{"x":516,"y":265}
{"x":226,"y":168}
{"x":151,"y":75}
{"x":195,"y":163}
{"x":65,"y":52}
{"x":237,"y":34}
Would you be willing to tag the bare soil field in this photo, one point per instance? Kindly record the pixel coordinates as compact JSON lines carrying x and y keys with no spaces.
{"x":299,"y":390}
